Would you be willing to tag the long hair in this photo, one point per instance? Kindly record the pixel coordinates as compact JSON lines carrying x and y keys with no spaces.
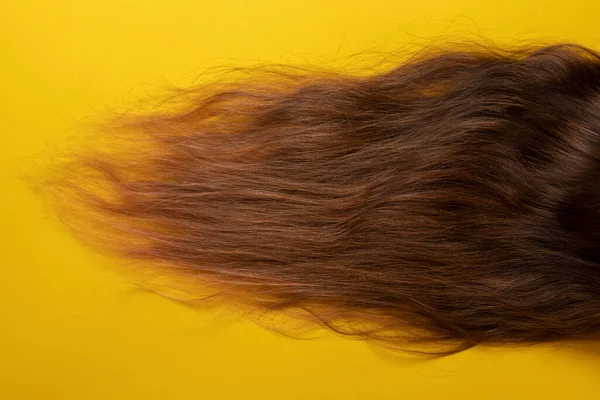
{"x":450,"y":201}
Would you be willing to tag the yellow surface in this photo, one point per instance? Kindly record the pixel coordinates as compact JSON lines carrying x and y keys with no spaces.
{"x":70,"y":329}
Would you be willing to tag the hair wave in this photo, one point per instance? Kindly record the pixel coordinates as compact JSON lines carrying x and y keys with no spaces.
{"x":450,"y":201}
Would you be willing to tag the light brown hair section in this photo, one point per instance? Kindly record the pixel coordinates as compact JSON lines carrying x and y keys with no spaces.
{"x":451,"y":201}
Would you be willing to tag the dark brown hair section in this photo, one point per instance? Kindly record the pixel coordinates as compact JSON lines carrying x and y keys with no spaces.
{"x":451,"y":201}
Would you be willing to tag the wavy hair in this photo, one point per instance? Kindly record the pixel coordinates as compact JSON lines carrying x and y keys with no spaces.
{"x":449,"y":201}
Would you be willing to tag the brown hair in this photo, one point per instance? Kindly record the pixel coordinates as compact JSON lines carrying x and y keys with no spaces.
{"x":453,"y":200}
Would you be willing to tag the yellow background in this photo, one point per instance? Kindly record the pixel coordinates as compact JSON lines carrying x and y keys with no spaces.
{"x":70,"y":329}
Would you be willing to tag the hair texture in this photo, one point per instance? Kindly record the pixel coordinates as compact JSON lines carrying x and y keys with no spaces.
{"x":450,"y":201}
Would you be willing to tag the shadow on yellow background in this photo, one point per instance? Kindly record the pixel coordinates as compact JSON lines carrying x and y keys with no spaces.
{"x":71,"y":329}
